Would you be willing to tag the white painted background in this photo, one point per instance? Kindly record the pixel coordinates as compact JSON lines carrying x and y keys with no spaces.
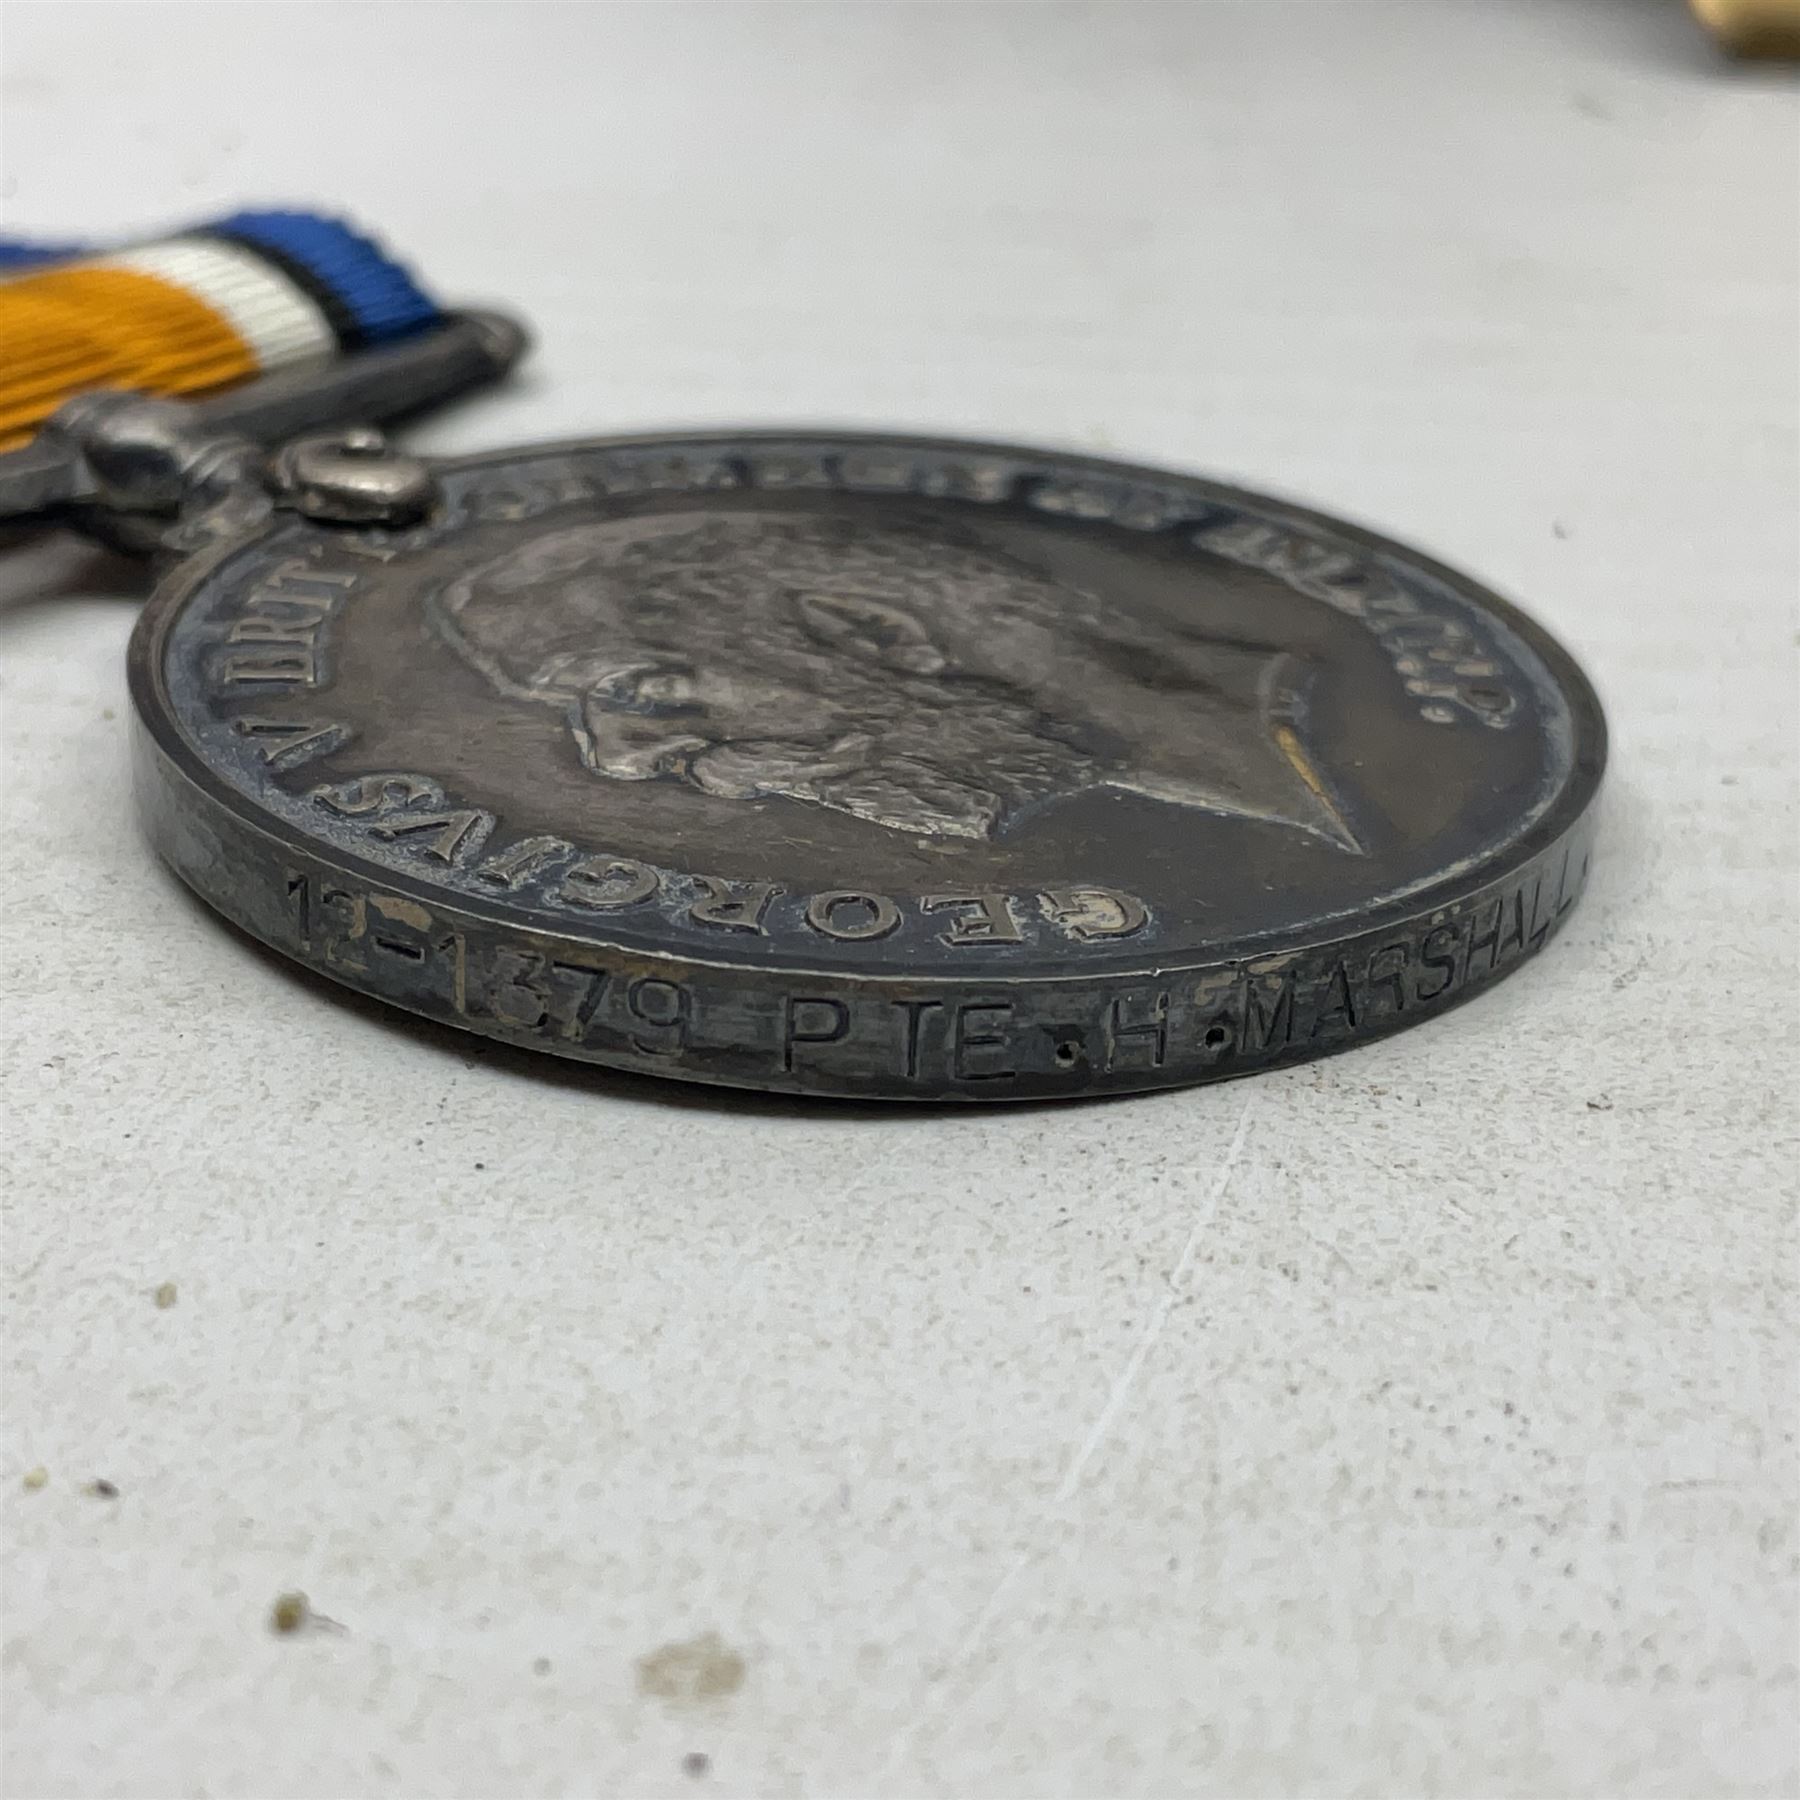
{"x":1420,"y":1422}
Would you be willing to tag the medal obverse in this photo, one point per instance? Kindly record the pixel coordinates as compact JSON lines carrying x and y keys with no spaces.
{"x":867,"y":766}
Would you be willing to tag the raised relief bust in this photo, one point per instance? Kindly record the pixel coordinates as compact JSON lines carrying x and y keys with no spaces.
{"x":931,"y":686}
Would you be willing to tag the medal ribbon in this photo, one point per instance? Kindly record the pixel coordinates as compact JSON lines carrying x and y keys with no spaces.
{"x":239,"y":297}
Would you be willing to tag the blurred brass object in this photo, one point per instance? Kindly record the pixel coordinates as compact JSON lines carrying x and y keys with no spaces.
{"x":1753,"y":27}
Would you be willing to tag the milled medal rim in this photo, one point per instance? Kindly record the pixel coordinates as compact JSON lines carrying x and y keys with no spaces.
{"x":1562,"y":813}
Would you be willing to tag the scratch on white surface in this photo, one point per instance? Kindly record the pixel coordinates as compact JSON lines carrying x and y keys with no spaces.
{"x":1153,"y":1326}
{"x":1091,"y":1445}
{"x":1332,"y":1249}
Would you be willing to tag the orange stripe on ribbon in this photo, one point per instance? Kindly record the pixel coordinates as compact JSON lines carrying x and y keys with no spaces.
{"x":87,"y":325}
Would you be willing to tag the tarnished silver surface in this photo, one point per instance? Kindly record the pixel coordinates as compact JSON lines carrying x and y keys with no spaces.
{"x":900,"y":672}
{"x":352,"y":477}
{"x":867,"y":766}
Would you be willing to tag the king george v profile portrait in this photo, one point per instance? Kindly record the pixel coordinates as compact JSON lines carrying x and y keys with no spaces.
{"x":929,"y":685}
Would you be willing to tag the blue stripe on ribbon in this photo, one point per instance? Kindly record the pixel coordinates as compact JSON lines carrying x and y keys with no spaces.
{"x":379,"y":296}
{"x":25,"y":253}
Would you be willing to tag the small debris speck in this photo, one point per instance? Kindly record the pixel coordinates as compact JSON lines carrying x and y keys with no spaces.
{"x":481,"y":1165}
{"x":702,"y":1668}
{"x":541,"y":1666}
{"x":35,"y":1478}
{"x":695,"y":1763}
{"x":102,"y":1489}
{"x":293,"y":1613}
{"x":165,"y":1295}
{"x":289,"y":1613}
{"x":1600,"y":1105}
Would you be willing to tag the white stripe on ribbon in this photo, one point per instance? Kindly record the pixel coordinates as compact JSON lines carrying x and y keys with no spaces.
{"x":279,"y":322}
